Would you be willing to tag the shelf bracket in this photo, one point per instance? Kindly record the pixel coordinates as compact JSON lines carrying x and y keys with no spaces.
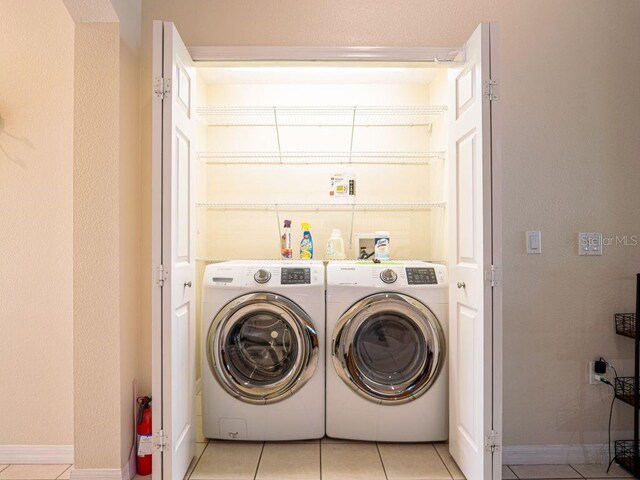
{"x":353,"y":214}
{"x":353,"y":128}
{"x":275,"y":121}
{"x":278,"y":220}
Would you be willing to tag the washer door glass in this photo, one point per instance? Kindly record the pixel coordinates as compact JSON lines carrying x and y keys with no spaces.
{"x":262,"y":347}
{"x":389,"y":348}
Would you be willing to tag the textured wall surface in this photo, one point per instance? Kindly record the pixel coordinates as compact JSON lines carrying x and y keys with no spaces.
{"x":36,"y":223}
{"x":129,"y":14}
{"x":106,"y":228}
{"x":96,"y":266}
{"x":569,"y":102}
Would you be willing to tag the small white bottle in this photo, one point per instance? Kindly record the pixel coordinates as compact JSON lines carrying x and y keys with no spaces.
{"x":335,"y":246}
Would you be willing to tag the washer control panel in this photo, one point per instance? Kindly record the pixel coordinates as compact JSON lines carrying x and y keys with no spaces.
{"x":295,"y":276}
{"x":421,"y":276}
{"x":388,"y":276}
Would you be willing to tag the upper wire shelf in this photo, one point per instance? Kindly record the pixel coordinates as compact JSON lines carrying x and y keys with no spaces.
{"x":220,"y":259}
{"x":321,"y":206}
{"x":356,"y":116}
{"x":319,"y":158}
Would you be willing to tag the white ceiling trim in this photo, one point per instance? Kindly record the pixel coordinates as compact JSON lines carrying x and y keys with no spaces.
{"x":404,"y":54}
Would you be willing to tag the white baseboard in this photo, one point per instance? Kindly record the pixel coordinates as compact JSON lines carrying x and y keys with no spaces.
{"x":554,"y":454}
{"x":36,"y":454}
{"x":101,"y":473}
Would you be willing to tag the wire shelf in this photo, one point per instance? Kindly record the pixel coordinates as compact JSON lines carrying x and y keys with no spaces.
{"x":320,"y":158}
{"x":321,"y":206}
{"x":626,"y":324}
{"x":219,"y":260}
{"x":624,"y":454}
{"x":625,"y":389}
{"x":345,"y":116}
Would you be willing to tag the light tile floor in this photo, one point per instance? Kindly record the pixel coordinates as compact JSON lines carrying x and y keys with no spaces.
{"x":327,"y":459}
{"x":332,"y":459}
{"x":34,"y":472}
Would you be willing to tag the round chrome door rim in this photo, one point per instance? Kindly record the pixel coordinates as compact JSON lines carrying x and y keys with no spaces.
{"x":347,"y":328}
{"x":305,"y":335}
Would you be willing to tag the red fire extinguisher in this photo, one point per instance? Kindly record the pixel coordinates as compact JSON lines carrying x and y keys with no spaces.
{"x":145,"y":438}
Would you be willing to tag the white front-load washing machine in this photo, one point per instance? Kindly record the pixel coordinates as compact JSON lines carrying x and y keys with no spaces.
{"x":386,"y":351}
{"x":263,"y":327}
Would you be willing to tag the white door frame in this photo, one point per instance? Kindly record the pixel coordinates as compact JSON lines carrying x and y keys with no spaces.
{"x":440,"y":56}
{"x":496,"y":249}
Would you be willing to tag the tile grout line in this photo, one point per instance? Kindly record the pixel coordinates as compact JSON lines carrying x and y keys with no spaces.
{"x":199,"y":458}
{"x":320,"y":445}
{"x":512,"y":471}
{"x":63,"y":472}
{"x":443,"y":462}
{"x":255,"y":475}
{"x":384,"y":470}
{"x":575,"y":470}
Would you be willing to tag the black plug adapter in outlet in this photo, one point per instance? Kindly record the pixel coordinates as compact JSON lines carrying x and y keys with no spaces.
{"x":600,"y":367}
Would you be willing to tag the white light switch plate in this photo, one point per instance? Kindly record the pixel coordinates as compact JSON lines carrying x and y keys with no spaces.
{"x":534,"y":242}
{"x":590,"y":243}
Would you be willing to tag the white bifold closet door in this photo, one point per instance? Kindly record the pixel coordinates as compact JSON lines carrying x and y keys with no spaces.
{"x":474,"y":419}
{"x":475,"y":336}
{"x":174,"y":332}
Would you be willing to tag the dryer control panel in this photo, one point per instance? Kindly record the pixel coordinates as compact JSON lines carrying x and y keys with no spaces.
{"x":421,"y":276}
{"x":409,"y":274}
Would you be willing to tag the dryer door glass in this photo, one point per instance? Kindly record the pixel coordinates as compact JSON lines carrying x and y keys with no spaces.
{"x":389,"y":348}
{"x":262,"y":347}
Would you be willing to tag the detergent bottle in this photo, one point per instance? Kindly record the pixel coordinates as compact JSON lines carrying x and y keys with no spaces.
{"x":306,"y":244}
{"x":335,"y":246}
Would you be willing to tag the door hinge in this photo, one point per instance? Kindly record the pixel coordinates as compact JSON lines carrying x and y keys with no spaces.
{"x":492,"y":442}
{"x":161,"y":87}
{"x":490,"y":89}
{"x":492,"y":276}
{"x":160,"y":442}
{"x":160,"y":275}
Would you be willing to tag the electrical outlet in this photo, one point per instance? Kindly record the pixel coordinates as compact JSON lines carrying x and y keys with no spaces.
{"x":590,"y":244}
{"x":593,"y":376}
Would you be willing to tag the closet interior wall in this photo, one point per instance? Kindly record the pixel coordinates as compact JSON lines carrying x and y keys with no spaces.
{"x":253,"y":232}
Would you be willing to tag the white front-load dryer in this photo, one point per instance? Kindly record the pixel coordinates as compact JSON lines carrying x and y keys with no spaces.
{"x":386,"y":351}
{"x":263,"y":327}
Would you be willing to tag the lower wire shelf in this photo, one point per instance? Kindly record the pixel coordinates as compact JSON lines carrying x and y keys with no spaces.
{"x":624,"y":452}
{"x":625,"y":389}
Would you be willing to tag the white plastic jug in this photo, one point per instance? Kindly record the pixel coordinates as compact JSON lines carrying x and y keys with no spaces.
{"x":335,"y":246}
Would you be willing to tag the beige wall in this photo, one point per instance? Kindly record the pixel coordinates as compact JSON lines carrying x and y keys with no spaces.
{"x":569,"y":101}
{"x":129,"y":14}
{"x":70,"y":165}
{"x":97,"y":304}
{"x":106,"y":218}
{"x":36,"y":223}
